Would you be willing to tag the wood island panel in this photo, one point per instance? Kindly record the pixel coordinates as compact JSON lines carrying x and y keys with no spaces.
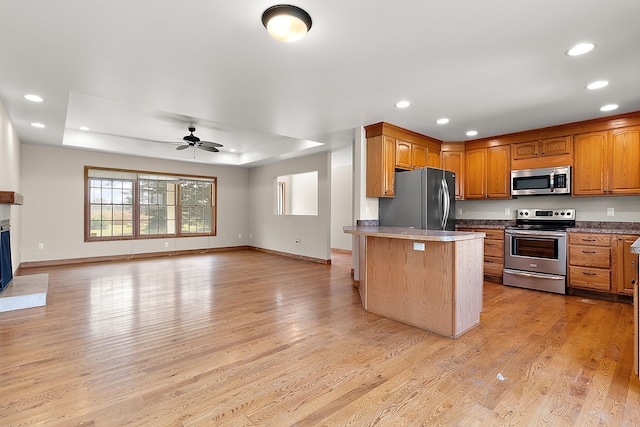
{"x":438,"y":289}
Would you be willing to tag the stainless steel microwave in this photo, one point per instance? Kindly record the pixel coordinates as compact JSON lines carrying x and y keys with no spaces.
{"x":529,"y":182}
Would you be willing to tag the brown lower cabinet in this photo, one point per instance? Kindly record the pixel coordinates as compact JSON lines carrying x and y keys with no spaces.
{"x":493,"y":252}
{"x":602,"y":262}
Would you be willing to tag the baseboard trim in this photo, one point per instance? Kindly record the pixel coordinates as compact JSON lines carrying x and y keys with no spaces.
{"x":125,"y":257}
{"x":295,"y":256}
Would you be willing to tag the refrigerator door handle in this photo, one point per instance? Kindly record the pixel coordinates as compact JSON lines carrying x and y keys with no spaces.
{"x":446,"y":205}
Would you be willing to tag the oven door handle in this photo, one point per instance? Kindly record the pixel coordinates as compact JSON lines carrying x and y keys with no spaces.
{"x":535,"y":233}
{"x":534,"y":275}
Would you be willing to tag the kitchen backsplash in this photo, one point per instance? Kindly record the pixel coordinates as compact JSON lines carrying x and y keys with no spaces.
{"x":625,"y":208}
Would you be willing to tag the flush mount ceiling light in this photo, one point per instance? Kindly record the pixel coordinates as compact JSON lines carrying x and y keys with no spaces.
{"x":33,"y":98}
{"x":84,"y":128}
{"x":442,"y":121}
{"x":597,"y":84}
{"x":286,"y":23}
{"x":403,"y":104}
{"x":472,"y":133}
{"x":37,"y":125}
{"x":580,"y":49}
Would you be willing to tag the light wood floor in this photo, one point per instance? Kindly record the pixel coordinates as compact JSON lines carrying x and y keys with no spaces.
{"x":248,"y":338}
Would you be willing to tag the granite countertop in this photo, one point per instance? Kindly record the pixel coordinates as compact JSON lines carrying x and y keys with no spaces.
{"x":635,"y":248}
{"x":497,"y":224}
{"x":408,"y":233}
{"x":632,"y":228}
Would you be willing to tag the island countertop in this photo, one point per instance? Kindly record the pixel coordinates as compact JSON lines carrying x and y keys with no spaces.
{"x":408,"y":233}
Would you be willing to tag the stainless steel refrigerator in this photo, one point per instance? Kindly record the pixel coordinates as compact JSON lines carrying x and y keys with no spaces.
{"x":423,"y":198}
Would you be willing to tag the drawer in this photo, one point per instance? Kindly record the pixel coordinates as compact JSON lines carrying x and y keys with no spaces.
{"x":494,"y":248}
{"x":590,"y":256}
{"x":493,"y":266}
{"x":590,"y":278}
{"x":589,"y":239}
{"x":492,"y":234}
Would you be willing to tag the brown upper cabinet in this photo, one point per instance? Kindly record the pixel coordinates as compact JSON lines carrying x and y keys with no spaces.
{"x":607,"y":163}
{"x":487,"y":173}
{"x":389,"y":148}
{"x":452,"y":159}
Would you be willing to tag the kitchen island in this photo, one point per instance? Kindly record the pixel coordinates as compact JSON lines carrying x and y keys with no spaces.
{"x":426,"y":278}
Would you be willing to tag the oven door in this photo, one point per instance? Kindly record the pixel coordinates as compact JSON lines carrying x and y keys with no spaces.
{"x":536,"y":251}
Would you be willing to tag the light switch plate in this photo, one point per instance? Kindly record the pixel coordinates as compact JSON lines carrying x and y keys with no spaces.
{"x":418,"y":246}
{"x":610,"y":212}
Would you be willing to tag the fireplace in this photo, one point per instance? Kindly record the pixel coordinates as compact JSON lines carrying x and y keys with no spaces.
{"x":6,"y":270}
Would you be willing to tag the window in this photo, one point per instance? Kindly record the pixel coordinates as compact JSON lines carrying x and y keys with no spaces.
{"x":124,"y":204}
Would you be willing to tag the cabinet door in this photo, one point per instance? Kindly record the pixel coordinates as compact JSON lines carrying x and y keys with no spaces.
{"x":419,"y":156}
{"x":628,"y":265}
{"x":624,"y":161}
{"x":454,"y":161}
{"x":403,"y":154}
{"x":499,"y":172}
{"x":381,"y":161}
{"x":433,"y":159}
{"x":555,"y":146}
{"x":589,"y":164}
{"x":525,"y":150}
{"x":475,"y":174}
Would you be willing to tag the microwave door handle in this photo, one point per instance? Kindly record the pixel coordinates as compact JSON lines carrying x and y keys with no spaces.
{"x":551,"y":181}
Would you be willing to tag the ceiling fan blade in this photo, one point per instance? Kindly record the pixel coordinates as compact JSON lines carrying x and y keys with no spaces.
{"x":208,"y":148}
{"x":211,"y":144}
{"x":182,"y":147}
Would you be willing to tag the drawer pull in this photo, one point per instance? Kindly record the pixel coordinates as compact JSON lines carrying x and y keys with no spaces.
{"x":588,"y":274}
{"x":588,"y":252}
{"x":489,"y":244}
{"x":633,"y":282}
{"x":588,"y":240}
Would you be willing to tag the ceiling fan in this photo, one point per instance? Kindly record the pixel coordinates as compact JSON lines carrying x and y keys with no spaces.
{"x":193,"y":141}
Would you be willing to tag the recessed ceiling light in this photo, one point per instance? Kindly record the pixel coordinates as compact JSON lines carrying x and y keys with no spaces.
{"x":84,"y":128}
{"x":233,"y":150}
{"x":472,"y":133}
{"x":33,"y":98}
{"x":609,"y":107}
{"x":580,"y":49}
{"x":597,"y":84}
{"x":442,"y":121}
{"x":402,"y":104}
{"x":37,"y":125}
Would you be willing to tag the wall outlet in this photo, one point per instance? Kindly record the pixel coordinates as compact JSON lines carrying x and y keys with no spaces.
{"x":240,"y":236}
{"x":610,"y":212}
{"x":459,"y":211}
{"x":40,"y":245}
{"x":166,"y":244}
{"x":418,"y":246}
{"x":297,"y":240}
{"x":250,"y":236}
{"x":507,"y":211}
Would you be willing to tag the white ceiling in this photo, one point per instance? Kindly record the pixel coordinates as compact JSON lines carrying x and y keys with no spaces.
{"x":135,"y":72}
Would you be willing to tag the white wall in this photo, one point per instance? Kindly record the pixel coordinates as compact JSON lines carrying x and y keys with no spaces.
{"x":341,"y":197}
{"x":279,"y":232}
{"x":53,"y":211}
{"x":626,"y":209}
{"x":10,"y":152}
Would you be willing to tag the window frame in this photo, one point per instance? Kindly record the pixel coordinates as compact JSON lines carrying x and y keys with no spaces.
{"x":141,"y":175}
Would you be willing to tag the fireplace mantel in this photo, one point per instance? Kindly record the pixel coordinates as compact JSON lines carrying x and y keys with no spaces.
{"x":10,"y":198}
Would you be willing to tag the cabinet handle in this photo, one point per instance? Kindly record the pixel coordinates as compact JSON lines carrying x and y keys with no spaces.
{"x":633,"y":282}
{"x":588,"y":252}
{"x":489,"y":244}
{"x":584,"y":239}
{"x":588,"y":274}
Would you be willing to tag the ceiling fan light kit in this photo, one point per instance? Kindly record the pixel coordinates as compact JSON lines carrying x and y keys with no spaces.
{"x":286,"y":23}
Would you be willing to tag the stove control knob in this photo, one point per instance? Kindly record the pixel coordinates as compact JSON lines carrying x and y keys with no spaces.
{"x":561,"y":213}
{"x":556,"y":213}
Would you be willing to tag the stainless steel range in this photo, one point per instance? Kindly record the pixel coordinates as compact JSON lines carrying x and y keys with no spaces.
{"x":535,"y":250}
